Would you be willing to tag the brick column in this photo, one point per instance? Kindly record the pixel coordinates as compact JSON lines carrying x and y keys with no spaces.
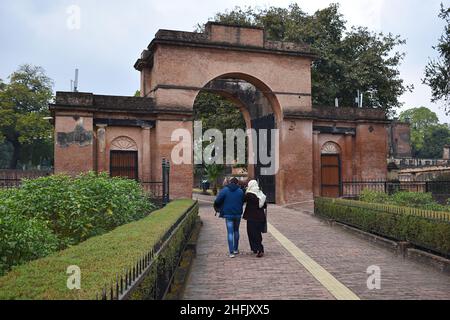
{"x":101,"y":148}
{"x":316,"y":164}
{"x":347,"y":158}
{"x":146,"y":152}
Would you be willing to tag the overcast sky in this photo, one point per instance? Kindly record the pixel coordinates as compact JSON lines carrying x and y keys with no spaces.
{"x":113,"y":33}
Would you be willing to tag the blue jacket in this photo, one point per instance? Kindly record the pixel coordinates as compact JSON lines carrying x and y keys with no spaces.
{"x":230,"y":201}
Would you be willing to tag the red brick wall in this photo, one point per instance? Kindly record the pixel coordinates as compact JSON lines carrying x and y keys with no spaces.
{"x":74,"y":158}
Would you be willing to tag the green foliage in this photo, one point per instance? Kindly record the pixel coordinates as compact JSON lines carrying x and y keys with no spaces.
{"x":432,"y":234}
{"x":73,"y":209}
{"x":216,"y":112}
{"x":213,"y":172}
{"x":435,"y":138}
{"x":437,"y":72}
{"x":413,"y":199}
{"x":368,"y":195}
{"x":349,"y":60}
{"x":420,"y":200}
{"x":23,"y":106}
{"x":23,"y":239}
{"x":428,"y":137}
{"x":6,"y":151}
{"x":99,"y":258}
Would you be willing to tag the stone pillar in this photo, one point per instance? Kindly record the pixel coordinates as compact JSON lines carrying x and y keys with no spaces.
{"x":316,"y":164}
{"x":181,"y":175}
{"x":446,"y":154}
{"x":102,"y":166}
{"x":347,"y":158}
{"x":295,"y":162}
{"x":146,"y":152}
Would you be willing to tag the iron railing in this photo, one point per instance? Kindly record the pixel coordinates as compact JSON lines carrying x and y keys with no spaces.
{"x":13,"y":178}
{"x":126,"y":284}
{"x":353,"y":189}
{"x":159,"y":191}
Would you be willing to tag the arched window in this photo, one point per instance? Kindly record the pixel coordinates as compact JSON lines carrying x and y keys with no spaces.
{"x":331,"y":148}
{"x":124,"y":144}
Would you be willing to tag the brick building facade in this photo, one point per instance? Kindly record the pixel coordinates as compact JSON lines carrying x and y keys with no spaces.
{"x":319,"y":146}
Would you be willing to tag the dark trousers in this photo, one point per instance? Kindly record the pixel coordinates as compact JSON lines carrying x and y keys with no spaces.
{"x":254,"y":231}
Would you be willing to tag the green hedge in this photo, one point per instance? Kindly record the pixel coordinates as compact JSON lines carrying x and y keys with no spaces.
{"x":100,"y":259}
{"x":429,"y":233}
{"x":420,"y":200}
{"x":51,"y":213}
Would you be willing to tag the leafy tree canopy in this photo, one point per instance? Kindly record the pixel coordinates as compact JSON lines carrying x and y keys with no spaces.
{"x":437,"y":72}
{"x":23,"y":106}
{"x":428,"y":136}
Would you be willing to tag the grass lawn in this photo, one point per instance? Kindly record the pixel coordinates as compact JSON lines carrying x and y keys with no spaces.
{"x":99,"y":258}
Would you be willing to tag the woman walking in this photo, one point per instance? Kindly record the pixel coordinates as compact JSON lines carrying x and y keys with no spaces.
{"x":255,"y":214}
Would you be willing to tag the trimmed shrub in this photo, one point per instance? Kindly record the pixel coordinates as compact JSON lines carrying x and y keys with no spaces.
{"x":418,"y":200}
{"x":371,"y":196}
{"x":100,"y":258}
{"x":72,"y":209}
{"x":432,"y":234}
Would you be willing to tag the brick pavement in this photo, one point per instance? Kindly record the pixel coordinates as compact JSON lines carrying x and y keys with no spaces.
{"x":280,"y":276}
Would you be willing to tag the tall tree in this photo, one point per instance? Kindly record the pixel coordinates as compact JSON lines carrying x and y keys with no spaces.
{"x":436,"y":137}
{"x":348,"y":60}
{"x":428,"y":136}
{"x":23,"y":107}
{"x":437,"y":72}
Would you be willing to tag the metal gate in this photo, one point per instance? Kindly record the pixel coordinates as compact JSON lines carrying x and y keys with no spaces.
{"x":331,"y":176}
{"x":124,"y":164}
{"x":266,"y":183}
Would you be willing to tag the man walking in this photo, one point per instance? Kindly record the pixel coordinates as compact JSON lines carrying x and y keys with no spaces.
{"x":230,"y":202}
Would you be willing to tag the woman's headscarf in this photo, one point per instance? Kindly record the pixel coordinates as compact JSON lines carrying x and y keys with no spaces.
{"x":253,"y":188}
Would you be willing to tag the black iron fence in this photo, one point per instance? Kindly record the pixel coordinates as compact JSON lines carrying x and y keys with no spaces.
{"x":159,"y":191}
{"x":151,"y":276}
{"x":13,"y":178}
{"x":353,"y":189}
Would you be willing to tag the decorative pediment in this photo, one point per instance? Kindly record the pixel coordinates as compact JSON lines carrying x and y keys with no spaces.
{"x":124,"y":144}
{"x":331,"y":148}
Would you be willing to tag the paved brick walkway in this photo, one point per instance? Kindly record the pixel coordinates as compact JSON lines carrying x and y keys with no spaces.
{"x":280,"y":276}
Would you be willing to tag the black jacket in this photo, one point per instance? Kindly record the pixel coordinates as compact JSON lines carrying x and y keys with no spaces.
{"x":252,"y":211}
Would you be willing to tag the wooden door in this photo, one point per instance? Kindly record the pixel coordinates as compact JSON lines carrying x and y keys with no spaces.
{"x":331,"y":176}
{"x":124,"y":164}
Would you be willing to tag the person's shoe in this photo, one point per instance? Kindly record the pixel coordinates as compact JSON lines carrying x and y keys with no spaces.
{"x":255,"y":252}
{"x":232,"y":255}
{"x":260,"y":254}
{"x":236,"y":252}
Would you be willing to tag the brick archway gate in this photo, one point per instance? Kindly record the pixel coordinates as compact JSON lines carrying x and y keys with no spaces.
{"x":175,"y":68}
{"x":178,"y":65}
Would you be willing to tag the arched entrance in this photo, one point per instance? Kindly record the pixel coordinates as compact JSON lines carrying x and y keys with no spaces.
{"x":253,"y":100}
